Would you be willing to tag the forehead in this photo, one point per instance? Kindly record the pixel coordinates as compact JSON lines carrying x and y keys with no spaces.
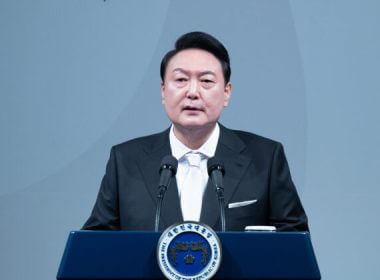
{"x":195,"y":60}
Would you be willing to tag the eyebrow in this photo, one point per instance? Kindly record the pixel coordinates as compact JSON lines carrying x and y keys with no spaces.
{"x":200,"y":74}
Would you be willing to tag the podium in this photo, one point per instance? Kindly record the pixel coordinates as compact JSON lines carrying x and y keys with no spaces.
{"x":132,"y":254}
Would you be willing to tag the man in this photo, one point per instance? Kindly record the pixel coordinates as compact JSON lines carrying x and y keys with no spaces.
{"x":195,"y":88}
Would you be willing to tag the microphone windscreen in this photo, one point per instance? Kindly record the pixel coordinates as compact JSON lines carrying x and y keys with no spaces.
{"x":215,"y":163}
{"x":169,"y":162}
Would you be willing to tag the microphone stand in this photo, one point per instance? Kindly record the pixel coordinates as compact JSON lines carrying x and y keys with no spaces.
{"x":216,"y":171}
{"x":160,"y":197}
{"x":220,"y":194}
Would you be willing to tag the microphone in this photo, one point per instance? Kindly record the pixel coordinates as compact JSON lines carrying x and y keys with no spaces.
{"x":168,"y":169}
{"x":216,"y":171}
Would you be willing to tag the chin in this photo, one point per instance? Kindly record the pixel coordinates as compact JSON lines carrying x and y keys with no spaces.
{"x":194,"y":124}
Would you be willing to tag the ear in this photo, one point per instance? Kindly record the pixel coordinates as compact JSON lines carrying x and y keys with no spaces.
{"x":227,"y":93}
{"x":162,"y":86}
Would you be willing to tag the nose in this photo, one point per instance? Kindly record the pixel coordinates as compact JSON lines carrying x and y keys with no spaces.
{"x":193,"y":90}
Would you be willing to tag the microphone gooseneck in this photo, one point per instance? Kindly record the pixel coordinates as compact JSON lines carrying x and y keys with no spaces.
{"x":167,"y":170}
{"x":216,"y":172}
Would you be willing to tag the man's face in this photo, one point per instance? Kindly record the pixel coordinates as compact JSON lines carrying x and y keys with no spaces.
{"x":193,"y":91}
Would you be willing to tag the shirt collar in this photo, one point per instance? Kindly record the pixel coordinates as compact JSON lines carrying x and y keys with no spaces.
{"x":208,"y":148}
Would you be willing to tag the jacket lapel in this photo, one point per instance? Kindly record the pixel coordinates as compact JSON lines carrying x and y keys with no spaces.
{"x":156,"y":148}
{"x":229,"y":151}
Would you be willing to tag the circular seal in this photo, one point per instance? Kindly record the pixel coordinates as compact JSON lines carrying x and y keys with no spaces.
{"x":189,"y":250}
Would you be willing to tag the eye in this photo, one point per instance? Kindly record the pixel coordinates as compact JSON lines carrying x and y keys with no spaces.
{"x":181,"y":80}
{"x":207,"y":83}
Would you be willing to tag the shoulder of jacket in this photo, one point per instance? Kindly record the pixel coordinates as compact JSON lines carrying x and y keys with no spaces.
{"x":249,"y":138}
{"x":136,"y":144}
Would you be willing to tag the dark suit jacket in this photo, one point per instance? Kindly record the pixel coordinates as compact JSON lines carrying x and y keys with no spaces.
{"x":256,"y":168}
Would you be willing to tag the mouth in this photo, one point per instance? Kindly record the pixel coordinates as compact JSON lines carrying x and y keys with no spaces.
{"x":192,"y":108}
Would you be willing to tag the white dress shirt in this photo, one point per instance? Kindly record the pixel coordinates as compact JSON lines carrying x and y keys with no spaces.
{"x":179,"y":150}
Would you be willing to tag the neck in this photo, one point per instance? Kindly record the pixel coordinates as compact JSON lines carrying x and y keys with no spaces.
{"x":193,"y":138}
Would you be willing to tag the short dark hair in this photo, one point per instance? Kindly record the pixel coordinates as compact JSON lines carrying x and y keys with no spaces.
{"x":203,"y":41}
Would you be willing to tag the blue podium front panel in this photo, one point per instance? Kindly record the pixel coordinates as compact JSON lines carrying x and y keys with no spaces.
{"x":132,"y":254}
{"x":268,"y":255}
